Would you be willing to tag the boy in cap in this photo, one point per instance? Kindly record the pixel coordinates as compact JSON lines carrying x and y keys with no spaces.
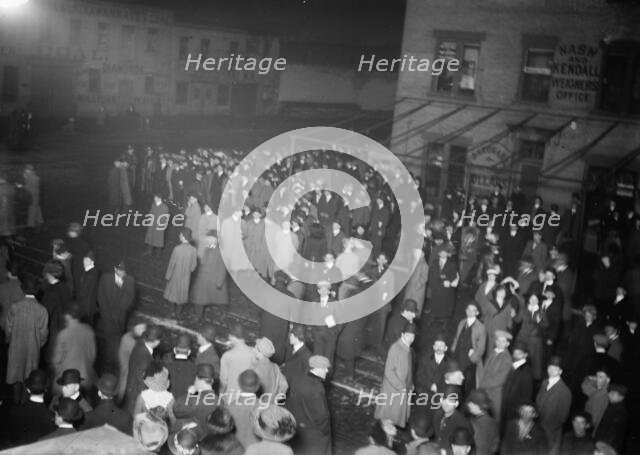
{"x":107,"y":412}
{"x":182,"y":368}
{"x":70,"y":382}
{"x":67,"y":414}
{"x":308,"y":403}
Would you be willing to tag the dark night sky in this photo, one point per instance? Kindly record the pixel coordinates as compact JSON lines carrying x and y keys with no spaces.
{"x":359,"y":22}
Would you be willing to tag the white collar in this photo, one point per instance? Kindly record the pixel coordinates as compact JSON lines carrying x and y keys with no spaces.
{"x":438,"y":357}
{"x":65,"y":425}
{"x":470,"y":321}
{"x":31,"y":296}
{"x":75,"y":396}
{"x":498,"y":351}
{"x":87,"y":269}
{"x":619,"y":298}
{"x":204,"y":347}
{"x":552,"y":382}
{"x":149,"y":348}
{"x":518,"y":363}
{"x":296,"y":348}
{"x":37,"y":398}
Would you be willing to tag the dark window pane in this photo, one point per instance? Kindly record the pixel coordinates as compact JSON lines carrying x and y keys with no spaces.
{"x":447,"y":50}
{"x":613,"y":81}
{"x":536,"y":80}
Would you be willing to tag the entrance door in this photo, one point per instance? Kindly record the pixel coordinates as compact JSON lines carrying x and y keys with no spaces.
{"x":244,"y":99}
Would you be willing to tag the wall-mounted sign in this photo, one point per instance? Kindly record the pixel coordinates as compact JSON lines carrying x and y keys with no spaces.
{"x":575,"y":78}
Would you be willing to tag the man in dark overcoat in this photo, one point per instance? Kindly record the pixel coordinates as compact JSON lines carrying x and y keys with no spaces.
{"x":116,"y":294}
{"x":518,"y":387}
{"x":297,"y":357}
{"x":308,"y":403}
{"x":107,"y":412}
{"x":87,"y":288}
{"x":141,"y":356}
{"x":443,"y":280}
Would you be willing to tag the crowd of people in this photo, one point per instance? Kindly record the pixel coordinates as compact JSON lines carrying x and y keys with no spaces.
{"x":536,"y":365}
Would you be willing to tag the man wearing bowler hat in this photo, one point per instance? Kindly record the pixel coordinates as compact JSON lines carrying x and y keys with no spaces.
{"x":70,"y":382}
{"x":106,"y":412}
{"x":29,"y":421}
{"x":68,"y":414}
{"x":554,"y":404}
{"x":116,"y":294}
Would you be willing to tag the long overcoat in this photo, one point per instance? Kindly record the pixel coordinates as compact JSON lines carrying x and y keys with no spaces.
{"x":75,"y":348}
{"x":27,"y":331}
{"x":398,"y":377}
{"x":442,"y":299}
{"x":307,"y":402}
{"x":156,"y":230}
{"x":183,"y":262}
{"x":210,"y":283}
{"x":492,"y":376}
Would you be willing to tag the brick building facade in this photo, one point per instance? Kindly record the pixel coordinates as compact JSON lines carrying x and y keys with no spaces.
{"x":547,"y":95}
{"x":71,"y":57}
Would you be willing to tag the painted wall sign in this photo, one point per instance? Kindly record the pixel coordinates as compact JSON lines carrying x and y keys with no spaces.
{"x":131,"y":14}
{"x":575,"y":76}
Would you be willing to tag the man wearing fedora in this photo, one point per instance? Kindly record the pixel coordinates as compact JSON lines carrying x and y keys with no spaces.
{"x":67,"y":414}
{"x":200,"y":400}
{"x":274,"y":425}
{"x":29,"y":421}
{"x":554,"y":404}
{"x":116,"y":294}
{"x":70,"y":383}
{"x":307,"y":402}
{"x":106,"y":412}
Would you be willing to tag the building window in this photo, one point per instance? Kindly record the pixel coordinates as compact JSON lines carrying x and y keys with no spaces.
{"x":95,"y":84}
{"x":75,"y":32}
{"x":103,"y":35}
{"x":621,"y":79}
{"x":536,"y":75}
{"x":462,"y":81}
{"x":152,"y":40}
{"x":204,"y":46}
{"x":233,"y":47}
{"x":532,"y":150}
{"x":128,"y":41}
{"x":182,"y":92}
{"x":10,"y":84}
{"x":223,"y":95}
{"x":183,"y":52}
{"x":149,"y":87}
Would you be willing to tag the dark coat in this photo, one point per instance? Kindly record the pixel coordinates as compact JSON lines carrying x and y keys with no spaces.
{"x":442,"y":299}
{"x":55,"y":299}
{"x":275,"y":329}
{"x":444,"y":427}
{"x":517,"y":389}
{"x":114,"y":305}
{"x":106,"y":412}
{"x":87,"y":293}
{"x":60,"y":432}
{"x":182,"y":373}
{"x":485,"y":434}
{"x":429,"y":372}
{"x":296,"y":364}
{"x":113,"y":185}
{"x":28,"y":422}
{"x":534,"y":444}
{"x":307,"y":402}
{"x":572,"y":445}
{"x":613,"y":426}
{"x":210,"y":356}
{"x":197,"y":406}
{"x":138,"y":362}
{"x":553,"y":407}
{"x":78,"y":247}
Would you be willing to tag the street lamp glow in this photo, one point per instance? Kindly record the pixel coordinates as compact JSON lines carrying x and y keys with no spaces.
{"x":11,"y":4}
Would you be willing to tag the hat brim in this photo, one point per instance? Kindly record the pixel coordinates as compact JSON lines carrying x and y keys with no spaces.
{"x":263,"y":434}
{"x":174,"y":450}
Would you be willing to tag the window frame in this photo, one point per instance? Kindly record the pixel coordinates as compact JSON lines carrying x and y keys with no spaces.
{"x":461,"y":39}
{"x":539,"y":43}
{"x":624,"y":105}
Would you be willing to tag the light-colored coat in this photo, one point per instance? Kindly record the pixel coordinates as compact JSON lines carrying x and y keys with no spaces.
{"x":232,"y":363}
{"x":492,"y":376}
{"x":27,"y":332}
{"x":183,"y":262}
{"x":75,"y":347}
{"x":398,"y":379}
